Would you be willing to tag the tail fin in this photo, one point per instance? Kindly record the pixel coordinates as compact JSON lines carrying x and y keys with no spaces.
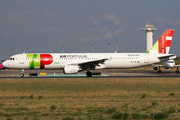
{"x":162,"y":45}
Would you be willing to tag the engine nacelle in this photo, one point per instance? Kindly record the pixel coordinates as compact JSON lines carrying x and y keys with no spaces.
{"x":70,"y":69}
{"x":155,"y":68}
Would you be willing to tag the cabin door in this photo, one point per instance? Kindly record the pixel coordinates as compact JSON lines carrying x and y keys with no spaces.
{"x":21,"y":59}
{"x":56,"y":59}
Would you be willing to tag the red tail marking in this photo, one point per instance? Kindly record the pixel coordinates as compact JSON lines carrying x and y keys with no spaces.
{"x":168,"y":44}
{"x":163,"y":43}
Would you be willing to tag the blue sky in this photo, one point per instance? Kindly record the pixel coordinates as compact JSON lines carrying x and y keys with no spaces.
{"x":45,"y":26}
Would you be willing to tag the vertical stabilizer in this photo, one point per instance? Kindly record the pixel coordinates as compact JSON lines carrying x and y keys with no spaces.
{"x":162,"y":46}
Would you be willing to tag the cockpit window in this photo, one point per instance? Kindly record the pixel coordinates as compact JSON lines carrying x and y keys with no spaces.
{"x":11,"y":58}
{"x":171,"y":61}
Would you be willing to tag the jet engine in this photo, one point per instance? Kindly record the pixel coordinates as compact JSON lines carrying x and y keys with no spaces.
{"x":155,"y":68}
{"x":70,"y":69}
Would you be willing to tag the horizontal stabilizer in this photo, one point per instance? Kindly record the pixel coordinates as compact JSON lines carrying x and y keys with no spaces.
{"x":167,"y":56}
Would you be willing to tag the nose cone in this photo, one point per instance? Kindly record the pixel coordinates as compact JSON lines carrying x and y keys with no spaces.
{"x":5,"y":63}
{"x":171,"y":65}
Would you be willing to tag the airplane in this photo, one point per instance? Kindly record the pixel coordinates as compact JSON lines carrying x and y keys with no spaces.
{"x":170,"y":64}
{"x":72,"y":63}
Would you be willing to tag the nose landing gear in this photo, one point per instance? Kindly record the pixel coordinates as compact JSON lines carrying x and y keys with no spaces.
{"x":22,"y":74}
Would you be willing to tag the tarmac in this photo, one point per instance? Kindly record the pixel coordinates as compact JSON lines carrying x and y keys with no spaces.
{"x":105,"y":73}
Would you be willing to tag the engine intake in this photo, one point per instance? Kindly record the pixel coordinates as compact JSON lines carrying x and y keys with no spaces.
{"x":155,"y":68}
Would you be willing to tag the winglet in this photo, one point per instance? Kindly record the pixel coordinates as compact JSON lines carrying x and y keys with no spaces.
{"x":162,"y":46}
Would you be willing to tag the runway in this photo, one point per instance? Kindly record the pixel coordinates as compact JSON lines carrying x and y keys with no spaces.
{"x":104,"y":74}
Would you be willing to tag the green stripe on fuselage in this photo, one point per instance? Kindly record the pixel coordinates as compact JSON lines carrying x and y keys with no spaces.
{"x":34,"y":60}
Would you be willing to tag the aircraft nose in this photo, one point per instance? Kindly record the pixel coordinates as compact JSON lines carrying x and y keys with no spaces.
{"x":5,"y":64}
{"x":171,"y":65}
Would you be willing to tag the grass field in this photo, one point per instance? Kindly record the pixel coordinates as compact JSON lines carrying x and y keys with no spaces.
{"x":90,"y":99}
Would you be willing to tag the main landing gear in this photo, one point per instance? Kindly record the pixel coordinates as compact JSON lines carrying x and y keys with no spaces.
{"x":177,"y":71}
{"x":89,"y":74}
{"x":159,"y":70}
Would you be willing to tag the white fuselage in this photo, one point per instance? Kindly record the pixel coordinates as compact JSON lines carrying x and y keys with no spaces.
{"x":59,"y":60}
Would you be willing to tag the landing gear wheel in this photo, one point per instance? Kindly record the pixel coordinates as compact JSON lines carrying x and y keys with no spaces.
{"x":89,"y":74}
{"x":177,"y":71}
{"x":22,"y":75}
{"x":159,"y":71}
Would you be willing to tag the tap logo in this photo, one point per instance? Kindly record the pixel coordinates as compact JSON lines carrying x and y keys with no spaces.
{"x":39,"y":60}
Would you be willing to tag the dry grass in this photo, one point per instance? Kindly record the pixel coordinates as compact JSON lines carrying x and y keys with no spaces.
{"x":87,"y":98}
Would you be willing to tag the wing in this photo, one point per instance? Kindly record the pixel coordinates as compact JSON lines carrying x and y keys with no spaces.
{"x":91,"y":65}
{"x":94,"y":62}
{"x":158,"y":65}
{"x":177,"y":66}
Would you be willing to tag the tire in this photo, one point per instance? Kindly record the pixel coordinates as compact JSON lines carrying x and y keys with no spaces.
{"x":89,"y":74}
{"x":22,"y":75}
